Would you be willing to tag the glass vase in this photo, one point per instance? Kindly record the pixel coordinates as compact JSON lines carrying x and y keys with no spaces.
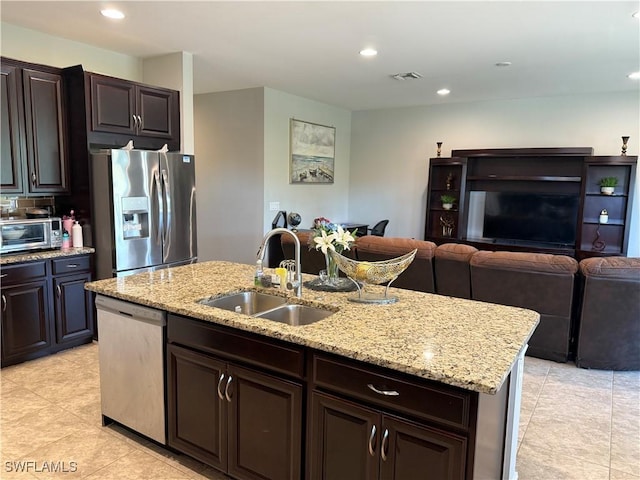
{"x":332,"y":270}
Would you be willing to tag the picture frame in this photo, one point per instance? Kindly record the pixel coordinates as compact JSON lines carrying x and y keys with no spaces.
{"x":312,"y":152}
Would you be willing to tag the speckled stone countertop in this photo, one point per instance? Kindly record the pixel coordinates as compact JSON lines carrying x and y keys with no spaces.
{"x":459,"y":342}
{"x":43,"y":255}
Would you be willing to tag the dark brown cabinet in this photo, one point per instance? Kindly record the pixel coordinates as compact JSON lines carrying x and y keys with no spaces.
{"x":45,"y":308}
{"x":360,"y":443}
{"x":531,"y":199}
{"x":245,"y":422}
{"x":376,"y":425}
{"x":34,"y":151}
{"x":132,"y":111}
{"x":610,"y":237}
{"x":73,"y":304}
{"x":12,"y":131}
{"x":26,"y":318}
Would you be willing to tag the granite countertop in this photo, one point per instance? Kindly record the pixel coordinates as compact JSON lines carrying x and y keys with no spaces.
{"x":43,"y":255}
{"x":465,"y":343}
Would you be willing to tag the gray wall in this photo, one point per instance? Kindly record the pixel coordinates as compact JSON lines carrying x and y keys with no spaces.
{"x":229,"y":146}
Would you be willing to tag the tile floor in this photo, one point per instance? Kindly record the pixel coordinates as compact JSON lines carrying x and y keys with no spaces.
{"x":575,"y":424}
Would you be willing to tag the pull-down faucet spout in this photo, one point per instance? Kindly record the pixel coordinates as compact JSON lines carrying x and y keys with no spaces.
{"x":297,"y":283}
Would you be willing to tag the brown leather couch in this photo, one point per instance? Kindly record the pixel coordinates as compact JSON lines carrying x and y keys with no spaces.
{"x":418,"y":276}
{"x":609,"y":330}
{"x":452,"y":270}
{"x":537,"y":281}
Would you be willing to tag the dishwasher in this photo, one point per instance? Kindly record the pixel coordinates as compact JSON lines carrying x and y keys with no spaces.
{"x":131,"y":341}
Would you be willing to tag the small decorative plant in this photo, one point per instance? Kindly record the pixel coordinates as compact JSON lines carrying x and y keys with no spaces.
{"x":607,"y":185}
{"x":447,"y":201}
{"x":609,"y":181}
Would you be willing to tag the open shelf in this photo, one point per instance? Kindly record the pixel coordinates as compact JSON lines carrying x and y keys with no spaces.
{"x":524,"y":178}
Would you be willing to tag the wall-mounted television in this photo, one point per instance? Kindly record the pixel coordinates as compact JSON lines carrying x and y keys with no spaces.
{"x":531,"y":218}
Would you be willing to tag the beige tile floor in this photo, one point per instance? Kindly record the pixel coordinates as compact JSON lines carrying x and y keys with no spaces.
{"x":575,"y":424}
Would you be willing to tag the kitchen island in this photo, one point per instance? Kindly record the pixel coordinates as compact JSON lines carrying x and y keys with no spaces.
{"x":459,"y":360}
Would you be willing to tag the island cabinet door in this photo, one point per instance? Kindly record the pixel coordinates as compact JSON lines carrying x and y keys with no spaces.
{"x":409,"y":451}
{"x":265,"y":426}
{"x":197,"y":414}
{"x":343,"y":440}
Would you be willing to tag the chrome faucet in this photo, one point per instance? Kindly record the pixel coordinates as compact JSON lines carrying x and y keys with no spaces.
{"x":297,"y":283}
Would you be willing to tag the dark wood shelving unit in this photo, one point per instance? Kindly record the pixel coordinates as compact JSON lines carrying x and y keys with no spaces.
{"x":564,"y":171}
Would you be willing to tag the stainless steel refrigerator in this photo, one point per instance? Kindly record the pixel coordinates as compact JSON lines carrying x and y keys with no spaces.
{"x":144,"y":211}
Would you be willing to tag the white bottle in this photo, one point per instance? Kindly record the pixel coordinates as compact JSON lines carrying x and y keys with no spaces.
{"x":76,"y":235}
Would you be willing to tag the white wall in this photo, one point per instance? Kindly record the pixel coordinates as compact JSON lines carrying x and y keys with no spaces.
{"x":390,"y":148}
{"x":32,"y":46}
{"x":229,"y":146}
{"x":309,"y":200}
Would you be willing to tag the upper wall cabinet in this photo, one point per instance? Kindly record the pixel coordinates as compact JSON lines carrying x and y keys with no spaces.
{"x":34,"y":148}
{"x":119,"y":110}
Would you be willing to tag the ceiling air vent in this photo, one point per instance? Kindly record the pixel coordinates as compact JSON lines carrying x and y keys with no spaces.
{"x":406,"y":76}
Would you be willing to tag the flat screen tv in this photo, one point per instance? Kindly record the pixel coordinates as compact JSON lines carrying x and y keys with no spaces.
{"x":531,"y":218}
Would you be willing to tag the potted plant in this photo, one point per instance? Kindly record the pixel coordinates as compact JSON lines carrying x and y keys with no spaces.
{"x":607,"y":185}
{"x":447,"y":201}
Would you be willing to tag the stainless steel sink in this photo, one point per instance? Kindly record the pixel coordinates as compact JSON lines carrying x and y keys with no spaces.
{"x":295,"y":314}
{"x":248,"y":303}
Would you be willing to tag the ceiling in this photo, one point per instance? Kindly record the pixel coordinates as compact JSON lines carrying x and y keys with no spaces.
{"x":311,"y":49}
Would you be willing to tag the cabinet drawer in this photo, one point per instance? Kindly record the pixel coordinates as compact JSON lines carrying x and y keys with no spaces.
{"x":233,"y":344}
{"x":77,"y":264}
{"x":22,"y":271}
{"x":426,"y":400}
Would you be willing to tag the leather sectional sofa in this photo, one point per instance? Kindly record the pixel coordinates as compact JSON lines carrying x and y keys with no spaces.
{"x":589,"y":311}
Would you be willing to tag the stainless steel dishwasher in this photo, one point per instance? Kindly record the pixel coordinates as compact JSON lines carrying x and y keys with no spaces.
{"x":131,"y":351}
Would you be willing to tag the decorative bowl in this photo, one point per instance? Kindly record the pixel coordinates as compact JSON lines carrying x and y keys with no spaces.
{"x":364,"y":273}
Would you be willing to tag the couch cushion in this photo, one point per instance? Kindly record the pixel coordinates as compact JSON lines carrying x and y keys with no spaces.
{"x":395,"y":246}
{"x":611,"y":267}
{"x":455,"y":251}
{"x":532,"y":262}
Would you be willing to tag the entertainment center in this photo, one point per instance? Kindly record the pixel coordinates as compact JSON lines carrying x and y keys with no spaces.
{"x":531,"y":199}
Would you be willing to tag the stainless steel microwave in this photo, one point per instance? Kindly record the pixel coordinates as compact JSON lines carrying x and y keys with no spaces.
{"x":22,"y":234}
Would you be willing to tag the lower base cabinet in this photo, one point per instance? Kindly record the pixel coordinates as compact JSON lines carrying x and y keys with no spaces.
{"x":347,"y":440}
{"x":25,"y":320}
{"x":45,"y":307}
{"x":239,"y":420}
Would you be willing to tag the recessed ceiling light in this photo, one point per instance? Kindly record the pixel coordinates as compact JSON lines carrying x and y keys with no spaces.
{"x":443,"y":91}
{"x":503,"y":64}
{"x":634,"y":76}
{"x":112,"y":13}
{"x":368,"y":52}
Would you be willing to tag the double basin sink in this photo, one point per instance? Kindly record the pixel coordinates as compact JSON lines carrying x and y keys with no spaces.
{"x":269,"y":307}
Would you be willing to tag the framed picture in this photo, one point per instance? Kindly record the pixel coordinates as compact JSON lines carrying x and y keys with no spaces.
{"x":313,"y":149}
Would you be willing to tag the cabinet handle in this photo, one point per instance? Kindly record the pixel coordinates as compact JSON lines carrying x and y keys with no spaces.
{"x":33,"y":178}
{"x":135,"y":122}
{"x":390,"y":393}
{"x":72,"y":265}
{"x":4,"y":275}
{"x":139,"y":123}
{"x":4,"y":303}
{"x":372,"y":436}
{"x":220,"y":394}
{"x":58,"y":291}
{"x":226,"y":389}
{"x":385,"y":445}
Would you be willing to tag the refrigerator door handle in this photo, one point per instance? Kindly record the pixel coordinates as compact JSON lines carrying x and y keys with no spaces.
{"x":158,"y":205}
{"x":166,"y":208}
